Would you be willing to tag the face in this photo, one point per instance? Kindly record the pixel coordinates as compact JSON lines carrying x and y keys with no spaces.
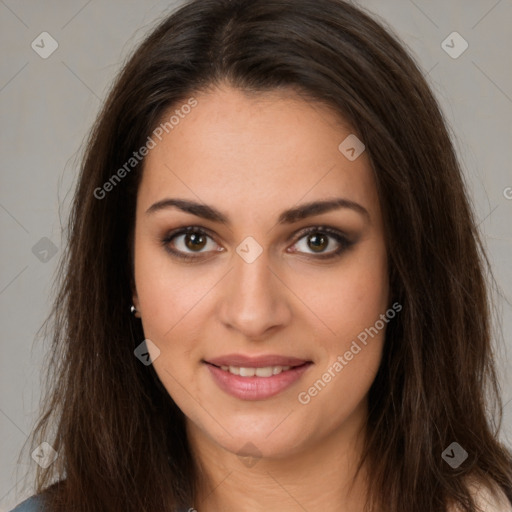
{"x":268,"y":313}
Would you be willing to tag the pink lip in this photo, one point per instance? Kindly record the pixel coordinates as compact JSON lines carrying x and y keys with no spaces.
{"x":256,"y":388}
{"x":255,"y":362}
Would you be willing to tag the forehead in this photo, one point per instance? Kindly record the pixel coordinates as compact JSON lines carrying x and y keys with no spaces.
{"x":257,"y":152}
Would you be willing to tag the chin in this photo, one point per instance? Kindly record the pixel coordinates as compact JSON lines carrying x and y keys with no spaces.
{"x":258,"y":435}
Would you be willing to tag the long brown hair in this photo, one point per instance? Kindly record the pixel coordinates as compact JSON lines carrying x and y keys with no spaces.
{"x":120,"y":437}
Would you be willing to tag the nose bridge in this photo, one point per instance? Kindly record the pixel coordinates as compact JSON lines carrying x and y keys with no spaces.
{"x":254,"y":275}
{"x":256,"y":299}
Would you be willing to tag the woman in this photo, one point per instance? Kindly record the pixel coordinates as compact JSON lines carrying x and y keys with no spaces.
{"x":273,"y":296}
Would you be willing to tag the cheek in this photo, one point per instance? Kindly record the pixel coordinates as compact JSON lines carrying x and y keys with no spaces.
{"x":169,"y":298}
{"x":172,"y":299}
{"x":340,"y":388}
{"x":349,"y":330}
{"x":165,"y":291}
{"x":347,"y":297}
{"x":351,"y":304}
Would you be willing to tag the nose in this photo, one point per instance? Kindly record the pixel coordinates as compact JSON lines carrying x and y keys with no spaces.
{"x":255,"y":300}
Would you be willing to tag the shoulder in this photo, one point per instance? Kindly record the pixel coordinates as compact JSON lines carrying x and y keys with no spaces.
{"x":32,"y":504}
{"x":491,"y":500}
{"x":35,"y":504}
{"x":487,"y":499}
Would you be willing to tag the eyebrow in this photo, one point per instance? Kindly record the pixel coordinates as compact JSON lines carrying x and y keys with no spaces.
{"x":287,"y":217}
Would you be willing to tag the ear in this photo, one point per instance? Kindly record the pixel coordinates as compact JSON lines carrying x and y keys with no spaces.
{"x":135,"y":301}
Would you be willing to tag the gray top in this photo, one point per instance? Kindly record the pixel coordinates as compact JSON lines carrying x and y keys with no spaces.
{"x":32,"y":504}
{"x":35,"y":504}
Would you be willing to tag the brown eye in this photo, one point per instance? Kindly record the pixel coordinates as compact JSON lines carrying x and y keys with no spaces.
{"x":195,"y":241}
{"x":322,"y":242}
{"x":317,"y":242}
{"x":183,"y":243}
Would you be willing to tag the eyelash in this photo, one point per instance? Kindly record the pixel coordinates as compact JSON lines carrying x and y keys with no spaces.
{"x":342,"y":240}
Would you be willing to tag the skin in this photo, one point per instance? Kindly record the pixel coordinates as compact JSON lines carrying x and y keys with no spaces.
{"x":252,"y":157}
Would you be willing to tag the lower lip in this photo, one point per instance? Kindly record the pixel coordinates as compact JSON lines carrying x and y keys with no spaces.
{"x":256,"y":388}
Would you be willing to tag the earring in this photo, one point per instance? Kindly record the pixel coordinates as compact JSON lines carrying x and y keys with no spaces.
{"x":133,"y":309}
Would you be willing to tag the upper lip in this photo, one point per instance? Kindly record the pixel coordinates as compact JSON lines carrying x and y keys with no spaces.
{"x":255,"y":362}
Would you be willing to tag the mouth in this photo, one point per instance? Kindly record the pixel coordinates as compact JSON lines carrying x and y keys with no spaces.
{"x":260,"y":371}
{"x":256,"y":378}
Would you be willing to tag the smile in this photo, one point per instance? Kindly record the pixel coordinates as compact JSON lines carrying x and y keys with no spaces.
{"x":256,"y":383}
{"x":265,"y":371}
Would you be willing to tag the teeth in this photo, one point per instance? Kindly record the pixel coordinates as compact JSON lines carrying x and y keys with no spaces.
{"x":266,"y":371}
{"x":234,"y":370}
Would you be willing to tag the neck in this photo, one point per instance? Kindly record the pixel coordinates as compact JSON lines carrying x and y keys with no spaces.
{"x":320,"y":476}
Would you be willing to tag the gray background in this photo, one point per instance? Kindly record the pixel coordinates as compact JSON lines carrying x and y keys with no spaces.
{"x":48,"y":106}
